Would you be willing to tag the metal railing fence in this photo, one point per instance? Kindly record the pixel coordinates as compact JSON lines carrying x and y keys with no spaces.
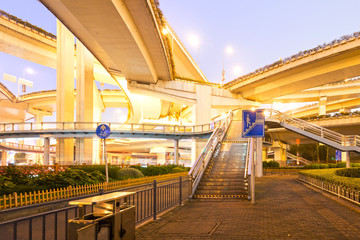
{"x":40,"y":196}
{"x":151,"y":200}
{"x":347,"y":193}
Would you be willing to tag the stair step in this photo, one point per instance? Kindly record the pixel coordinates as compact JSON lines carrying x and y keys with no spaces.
{"x":222,"y":192}
{"x":237,"y":183}
{"x":220,"y":196}
{"x":222,"y":188}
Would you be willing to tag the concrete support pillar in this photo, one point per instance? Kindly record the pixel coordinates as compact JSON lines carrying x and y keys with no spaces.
{"x":322,"y":105}
{"x":65,"y":91}
{"x":46,"y":151}
{"x":3,"y":157}
{"x":279,"y":153}
{"x":84,"y":101}
{"x":161,"y":158}
{"x":259,"y":157}
{"x":345,"y":157}
{"x":176,"y":151}
{"x":201,"y":115}
{"x":39,"y":142}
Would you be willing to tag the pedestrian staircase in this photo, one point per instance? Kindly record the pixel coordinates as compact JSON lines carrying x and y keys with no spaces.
{"x":224,"y":175}
{"x":323,"y":135}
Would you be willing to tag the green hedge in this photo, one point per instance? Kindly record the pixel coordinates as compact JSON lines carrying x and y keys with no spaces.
{"x":160,"y":170}
{"x":16,"y":180}
{"x":348,"y":172}
{"x":330,"y":176}
{"x":330,"y":165}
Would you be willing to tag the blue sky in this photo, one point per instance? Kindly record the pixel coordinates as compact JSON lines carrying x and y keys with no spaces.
{"x":259,"y":31}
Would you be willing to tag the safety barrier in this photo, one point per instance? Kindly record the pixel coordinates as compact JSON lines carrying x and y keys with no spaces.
{"x":23,"y":199}
{"x":153,"y":199}
{"x":347,"y":193}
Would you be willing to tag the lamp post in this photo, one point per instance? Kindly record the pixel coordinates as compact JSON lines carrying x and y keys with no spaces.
{"x":23,"y":80}
{"x":228,"y":50}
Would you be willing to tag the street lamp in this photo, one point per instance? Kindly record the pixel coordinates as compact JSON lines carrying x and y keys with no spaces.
{"x":229,"y":51}
{"x":23,"y":81}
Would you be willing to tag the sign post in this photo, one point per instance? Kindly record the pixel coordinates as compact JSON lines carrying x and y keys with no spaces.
{"x":253,"y":126}
{"x":103,"y":131}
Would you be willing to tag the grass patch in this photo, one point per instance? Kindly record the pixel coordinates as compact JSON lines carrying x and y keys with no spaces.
{"x":329,"y":175}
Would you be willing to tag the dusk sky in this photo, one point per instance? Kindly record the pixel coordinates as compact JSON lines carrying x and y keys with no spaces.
{"x":260,"y":32}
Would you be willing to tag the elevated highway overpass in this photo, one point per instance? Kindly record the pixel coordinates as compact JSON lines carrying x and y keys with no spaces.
{"x":336,"y":61}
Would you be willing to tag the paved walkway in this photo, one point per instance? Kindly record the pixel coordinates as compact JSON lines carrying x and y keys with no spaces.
{"x":285,"y":209}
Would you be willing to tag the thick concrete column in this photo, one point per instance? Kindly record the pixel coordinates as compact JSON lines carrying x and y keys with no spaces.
{"x":279,"y":153}
{"x":65,"y":91}
{"x":176,"y":151}
{"x":345,"y":157}
{"x":322,"y":105}
{"x":84,"y":101}
{"x":46,"y":151}
{"x":39,"y":142}
{"x":3,"y":157}
{"x":161,"y":158}
{"x":259,"y":157}
{"x":201,"y":115}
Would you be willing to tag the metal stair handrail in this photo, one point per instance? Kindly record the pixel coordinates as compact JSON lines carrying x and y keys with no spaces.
{"x":247,"y":159}
{"x":197,"y":170}
{"x":301,"y":159}
{"x":344,"y":140}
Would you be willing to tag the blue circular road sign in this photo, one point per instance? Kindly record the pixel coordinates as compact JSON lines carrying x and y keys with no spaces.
{"x":103,"y":131}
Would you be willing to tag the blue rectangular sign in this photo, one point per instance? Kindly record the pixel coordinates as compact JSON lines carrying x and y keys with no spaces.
{"x":253,"y":123}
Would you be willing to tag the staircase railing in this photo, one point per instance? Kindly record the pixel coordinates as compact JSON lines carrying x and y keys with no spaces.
{"x":198,"y":169}
{"x":247,"y":159}
{"x":301,"y":159}
{"x":344,"y":140}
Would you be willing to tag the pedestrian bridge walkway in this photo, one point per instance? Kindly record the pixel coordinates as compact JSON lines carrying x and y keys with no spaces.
{"x":123,"y":130}
{"x":285,"y":209}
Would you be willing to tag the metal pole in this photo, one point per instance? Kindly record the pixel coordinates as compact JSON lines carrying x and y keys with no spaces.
{"x":105,"y":160}
{"x":180,"y":189}
{"x":154,"y":201}
{"x":252,"y":173}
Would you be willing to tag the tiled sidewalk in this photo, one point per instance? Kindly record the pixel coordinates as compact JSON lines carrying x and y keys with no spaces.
{"x":285,"y":209}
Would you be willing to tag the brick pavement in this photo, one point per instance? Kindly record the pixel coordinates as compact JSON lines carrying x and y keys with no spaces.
{"x":285,"y":209}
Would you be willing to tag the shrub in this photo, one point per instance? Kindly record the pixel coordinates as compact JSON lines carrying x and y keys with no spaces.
{"x":126,"y":173}
{"x":160,"y":170}
{"x":178,"y":170}
{"x":348,"y":172}
{"x":273,"y":164}
{"x":113,"y":170}
{"x":265,"y":164}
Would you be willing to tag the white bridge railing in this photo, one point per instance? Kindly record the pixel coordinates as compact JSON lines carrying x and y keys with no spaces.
{"x":300,"y":159}
{"x":198,"y":169}
{"x":64,"y":126}
{"x":24,"y":147}
{"x":321,"y":132}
